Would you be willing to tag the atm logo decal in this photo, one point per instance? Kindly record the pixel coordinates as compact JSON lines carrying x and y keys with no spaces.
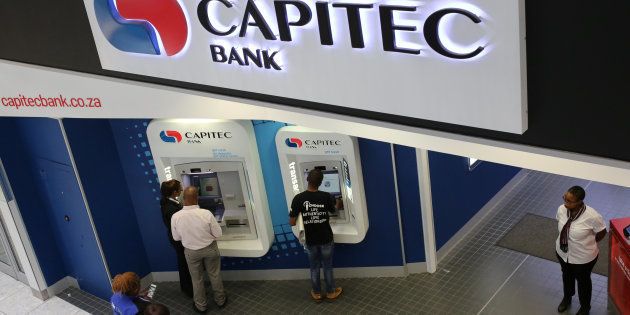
{"x":153,"y":27}
{"x":293,"y":142}
{"x":171,"y":136}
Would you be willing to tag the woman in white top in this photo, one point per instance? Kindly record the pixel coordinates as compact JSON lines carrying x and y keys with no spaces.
{"x":580,"y":227}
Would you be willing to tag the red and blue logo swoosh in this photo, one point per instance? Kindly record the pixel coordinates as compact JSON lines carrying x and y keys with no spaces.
{"x":293,"y":142}
{"x":154,"y":27}
{"x":171,"y":136}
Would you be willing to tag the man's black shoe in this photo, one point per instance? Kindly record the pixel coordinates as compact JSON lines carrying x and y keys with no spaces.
{"x":583,"y":311}
{"x":224,"y":303}
{"x":564,"y":305}
{"x":197,"y":310}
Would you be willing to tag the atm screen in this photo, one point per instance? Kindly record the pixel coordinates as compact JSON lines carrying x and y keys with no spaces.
{"x":330,"y":183}
{"x":222,"y":192}
{"x":209,"y":192}
{"x":209,"y":186}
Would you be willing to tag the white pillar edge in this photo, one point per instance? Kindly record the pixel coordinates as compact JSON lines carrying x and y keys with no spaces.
{"x":21,"y":241}
{"x":400,"y":227}
{"x":426,"y":208}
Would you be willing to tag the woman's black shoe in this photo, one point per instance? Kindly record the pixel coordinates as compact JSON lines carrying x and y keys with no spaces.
{"x":564,"y":305}
{"x":583,"y":311}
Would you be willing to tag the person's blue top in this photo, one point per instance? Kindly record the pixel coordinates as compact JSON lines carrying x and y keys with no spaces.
{"x":123,"y":305}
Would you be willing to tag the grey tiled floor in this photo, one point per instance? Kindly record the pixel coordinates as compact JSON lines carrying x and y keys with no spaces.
{"x":476,"y":277}
{"x":85,"y":301}
{"x":17,"y":298}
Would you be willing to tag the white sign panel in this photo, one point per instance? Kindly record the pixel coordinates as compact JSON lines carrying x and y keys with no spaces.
{"x":459,"y":62}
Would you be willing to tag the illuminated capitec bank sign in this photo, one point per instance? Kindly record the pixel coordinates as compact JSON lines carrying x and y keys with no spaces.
{"x":388,"y":15}
{"x":443,"y":60}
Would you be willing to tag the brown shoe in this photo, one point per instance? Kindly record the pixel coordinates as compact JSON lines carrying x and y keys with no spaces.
{"x":333,"y":296}
{"x":317,"y":297}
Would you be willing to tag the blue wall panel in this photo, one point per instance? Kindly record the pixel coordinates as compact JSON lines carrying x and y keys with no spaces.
{"x":458,"y":194}
{"x":25,"y":182}
{"x":139,"y":171}
{"x":381,"y":246}
{"x":409,"y":194}
{"x":61,"y":204}
{"x":79,"y":249}
{"x":108,"y":195}
{"x":43,"y":139}
{"x":266,"y":141}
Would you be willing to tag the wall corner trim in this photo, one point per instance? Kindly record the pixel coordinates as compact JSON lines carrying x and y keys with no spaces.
{"x":59,"y":286}
{"x":417,"y":267}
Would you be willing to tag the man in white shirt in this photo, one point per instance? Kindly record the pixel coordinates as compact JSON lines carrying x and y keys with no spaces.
{"x":198,"y":230}
{"x":580,"y":227}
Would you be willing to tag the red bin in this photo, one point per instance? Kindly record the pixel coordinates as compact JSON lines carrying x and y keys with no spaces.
{"x":619,"y":267}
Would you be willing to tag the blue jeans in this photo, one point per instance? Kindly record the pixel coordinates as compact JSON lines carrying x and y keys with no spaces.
{"x":321,"y":256}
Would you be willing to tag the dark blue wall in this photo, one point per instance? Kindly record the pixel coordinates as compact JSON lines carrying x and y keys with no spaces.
{"x":98,"y":165}
{"x":22,"y":173}
{"x":409,"y":194}
{"x":458,"y":194}
{"x":134,"y":153}
{"x":381,"y":246}
{"x":67,"y":225}
{"x":43,"y":139}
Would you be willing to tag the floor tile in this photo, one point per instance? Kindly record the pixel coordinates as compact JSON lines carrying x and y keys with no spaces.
{"x":20,"y":302}
{"x":55,"y":305}
{"x":8,"y":286}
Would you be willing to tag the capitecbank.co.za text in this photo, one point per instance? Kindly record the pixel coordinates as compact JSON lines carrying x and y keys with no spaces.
{"x":59,"y":101}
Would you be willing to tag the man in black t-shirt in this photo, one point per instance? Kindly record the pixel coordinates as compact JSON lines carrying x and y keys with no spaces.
{"x":314,"y":205}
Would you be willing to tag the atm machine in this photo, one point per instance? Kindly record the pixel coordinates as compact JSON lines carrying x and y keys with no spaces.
{"x":302,"y":149}
{"x":220,"y":158}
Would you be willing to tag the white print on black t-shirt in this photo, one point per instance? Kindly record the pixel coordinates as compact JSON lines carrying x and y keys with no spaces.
{"x":311,"y":214}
